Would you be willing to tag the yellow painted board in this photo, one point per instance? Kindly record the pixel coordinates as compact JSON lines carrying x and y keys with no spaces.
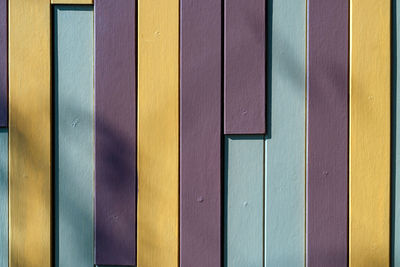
{"x":369,"y":133}
{"x":73,"y":2}
{"x":29,"y":134}
{"x":158,"y":133}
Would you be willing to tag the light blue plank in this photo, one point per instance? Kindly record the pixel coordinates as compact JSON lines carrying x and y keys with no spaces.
{"x":244,"y":201}
{"x":3,"y":197}
{"x":395,"y":161}
{"x":74,"y":138}
{"x":285,"y":144}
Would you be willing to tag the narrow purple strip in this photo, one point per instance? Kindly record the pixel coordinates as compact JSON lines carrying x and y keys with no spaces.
{"x":115,"y":132}
{"x":3,"y":64}
{"x":328,"y":133}
{"x":200,"y":133}
{"x":245,"y":67}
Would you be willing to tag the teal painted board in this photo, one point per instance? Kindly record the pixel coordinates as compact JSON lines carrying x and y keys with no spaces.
{"x":395,"y":160}
{"x":74,"y":135}
{"x":244,"y":201}
{"x":3,"y":197}
{"x":285,"y":144}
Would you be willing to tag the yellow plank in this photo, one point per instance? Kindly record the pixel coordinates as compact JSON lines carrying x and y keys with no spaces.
{"x":72,"y":2}
{"x":158,"y":132}
{"x":369,"y":133}
{"x":29,"y":136}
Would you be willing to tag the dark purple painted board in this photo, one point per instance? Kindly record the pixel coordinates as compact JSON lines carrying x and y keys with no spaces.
{"x":245,"y":67}
{"x":200,"y":133}
{"x":3,"y":63}
{"x":328,"y":133}
{"x":115,"y":132}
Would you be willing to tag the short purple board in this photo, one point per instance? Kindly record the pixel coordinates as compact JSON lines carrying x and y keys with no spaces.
{"x":245,"y":67}
{"x":3,"y":63}
{"x":115,"y":132}
{"x":200,"y":133}
{"x":327,"y":176}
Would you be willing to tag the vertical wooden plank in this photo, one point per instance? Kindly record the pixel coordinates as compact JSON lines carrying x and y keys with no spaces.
{"x":369,"y":133}
{"x":200,"y":154}
{"x":244,"y":67}
{"x":244,"y":200}
{"x":74,"y":135}
{"x":327,"y":171}
{"x":29,"y":133}
{"x":115,"y":90}
{"x":3,"y":197}
{"x":3,"y":64}
{"x":285,"y":144}
{"x":158,"y":133}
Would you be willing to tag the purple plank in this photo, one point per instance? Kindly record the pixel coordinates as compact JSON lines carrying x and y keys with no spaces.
{"x":245,"y":67}
{"x":200,"y":133}
{"x":115,"y":131}
{"x":3,"y":63}
{"x":327,"y":133}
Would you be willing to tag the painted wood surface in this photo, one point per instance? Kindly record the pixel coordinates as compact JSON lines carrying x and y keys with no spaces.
{"x":369,"y":133}
{"x":285,"y":143}
{"x":73,"y":2}
{"x":3,"y":197}
{"x":200,"y":133}
{"x":30,"y":184}
{"x":74,"y":135}
{"x":244,"y":98}
{"x":327,"y":170}
{"x":3,"y":64}
{"x":244,"y":201}
{"x":395,"y":139}
{"x":115,"y":90}
{"x":158,"y":133}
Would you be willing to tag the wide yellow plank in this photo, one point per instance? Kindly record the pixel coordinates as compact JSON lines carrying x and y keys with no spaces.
{"x":72,"y":2}
{"x":158,"y":133}
{"x":369,"y":133}
{"x":29,"y":136}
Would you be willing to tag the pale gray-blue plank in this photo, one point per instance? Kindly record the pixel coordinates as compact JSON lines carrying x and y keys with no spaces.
{"x":74,"y":135}
{"x":3,"y":197}
{"x":285,"y":145}
{"x":244,"y":201}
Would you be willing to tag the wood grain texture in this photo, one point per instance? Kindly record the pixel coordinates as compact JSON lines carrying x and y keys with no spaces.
{"x":327,"y":175}
{"x":74,"y":135}
{"x":244,"y":98}
{"x":72,"y":2}
{"x":158,"y":133}
{"x":244,"y":201}
{"x":369,"y":168}
{"x":115,"y":90}
{"x":3,"y":64}
{"x":29,"y":134}
{"x":3,"y":197}
{"x":200,"y":133}
{"x":285,"y":144}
